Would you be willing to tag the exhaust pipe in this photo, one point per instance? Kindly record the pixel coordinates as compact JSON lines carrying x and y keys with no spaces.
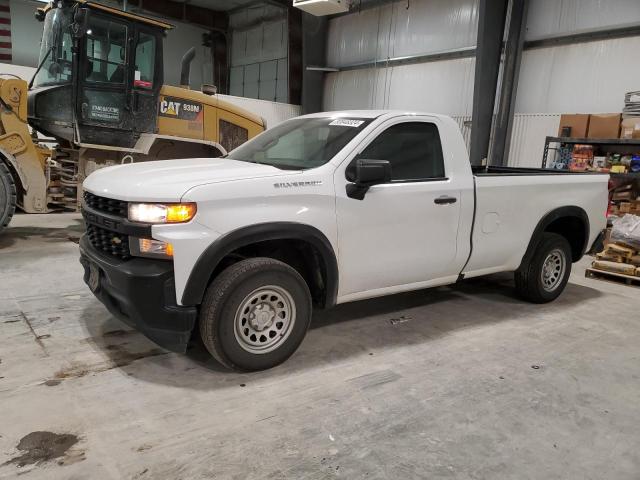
{"x":185,"y":71}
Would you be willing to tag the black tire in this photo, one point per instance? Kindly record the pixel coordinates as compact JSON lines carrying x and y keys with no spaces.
{"x":530,"y":278}
{"x":227,"y":339}
{"x":7,"y":196}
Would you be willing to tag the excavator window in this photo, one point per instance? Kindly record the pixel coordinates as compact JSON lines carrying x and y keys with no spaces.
{"x":106,"y":51}
{"x":145,"y":61}
{"x":55,"y":50}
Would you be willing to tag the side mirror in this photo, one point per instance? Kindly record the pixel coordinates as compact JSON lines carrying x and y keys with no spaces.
{"x":54,"y":69}
{"x":368,"y":173}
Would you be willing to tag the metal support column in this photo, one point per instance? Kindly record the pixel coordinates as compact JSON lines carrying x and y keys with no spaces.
{"x":501,"y":140}
{"x":314,"y":47}
{"x":491,"y":21}
{"x":219,"y":53}
{"x":295,"y":55}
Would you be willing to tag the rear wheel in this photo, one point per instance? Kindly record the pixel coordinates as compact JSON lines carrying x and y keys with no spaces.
{"x":7,"y":196}
{"x":255,"y":314}
{"x":543,"y":278}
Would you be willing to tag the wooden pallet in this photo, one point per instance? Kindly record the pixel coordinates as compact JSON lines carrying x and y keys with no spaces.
{"x":612,"y":277}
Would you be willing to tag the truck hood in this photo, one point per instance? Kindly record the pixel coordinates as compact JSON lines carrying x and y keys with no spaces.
{"x":169,"y":180}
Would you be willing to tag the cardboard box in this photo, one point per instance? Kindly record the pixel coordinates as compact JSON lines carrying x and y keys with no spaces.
{"x":577,"y":122}
{"x":625,"y":195}
{"x":630,"y":128}
{"x":606,"y":125}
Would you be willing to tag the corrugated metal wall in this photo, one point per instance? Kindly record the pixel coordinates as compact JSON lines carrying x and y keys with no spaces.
{"x":393,"y":30}
{"x":438,"y":87}
{"x":553,"y":17}
{"x":259,"y":53}
{"x":587,"y":77}
{"x":527,"y":136}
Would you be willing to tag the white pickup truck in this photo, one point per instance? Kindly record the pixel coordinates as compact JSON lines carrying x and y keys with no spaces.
{"x":320,"y":210}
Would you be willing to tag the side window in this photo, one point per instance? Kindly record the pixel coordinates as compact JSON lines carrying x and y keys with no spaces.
{"x":232,"y":135}
{"x":106,"y":51}
{"x":413,"y":149}
{"x":145,"y":61}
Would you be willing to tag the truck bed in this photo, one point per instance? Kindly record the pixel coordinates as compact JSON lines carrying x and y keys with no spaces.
{"x":509,"y":203}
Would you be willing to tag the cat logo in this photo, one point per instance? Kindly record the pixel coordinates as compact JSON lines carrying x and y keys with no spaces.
{"x":181,"y":109}
{"x":170,"y":108}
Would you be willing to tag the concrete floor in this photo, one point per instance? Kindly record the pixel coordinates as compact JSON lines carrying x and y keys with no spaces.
{"x":465,"y":382}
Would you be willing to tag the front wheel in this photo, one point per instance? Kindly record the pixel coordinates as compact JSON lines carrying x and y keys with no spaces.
{"x":255,"y":314}
{"x":7,"y":196}
{"x":544,"y":276}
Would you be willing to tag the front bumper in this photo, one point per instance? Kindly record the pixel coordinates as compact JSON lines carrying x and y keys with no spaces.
{"x":141,"y":293}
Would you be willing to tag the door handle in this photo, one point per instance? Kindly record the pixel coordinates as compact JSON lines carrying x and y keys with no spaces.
{"x":445,"y":200}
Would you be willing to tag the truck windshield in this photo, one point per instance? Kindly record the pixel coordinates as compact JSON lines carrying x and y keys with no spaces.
{"x":301,"y":143}
{"x":55,"y":49}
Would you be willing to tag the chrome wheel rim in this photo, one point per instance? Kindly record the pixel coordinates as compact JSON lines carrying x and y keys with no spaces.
{"x":264,"y":319}
{"x":553,"y":269}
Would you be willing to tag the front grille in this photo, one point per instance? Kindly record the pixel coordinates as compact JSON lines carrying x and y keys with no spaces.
{"x":114,"y":243}
{"x":111,"y":206}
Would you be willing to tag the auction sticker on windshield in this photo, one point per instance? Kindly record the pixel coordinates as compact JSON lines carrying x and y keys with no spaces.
{"x":346,"y":122}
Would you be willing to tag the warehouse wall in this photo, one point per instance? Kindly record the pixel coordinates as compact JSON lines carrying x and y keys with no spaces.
{"x":587,"y":77}
{"x":438,"y":87}
{"x":551,"y":17}
{"x":259,"y":53}
{"x":393,"y":30}
{"x":26,"y":33}
{"x":591,"y":76}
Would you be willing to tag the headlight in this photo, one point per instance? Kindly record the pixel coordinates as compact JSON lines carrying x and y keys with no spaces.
{"x":162,"y":212}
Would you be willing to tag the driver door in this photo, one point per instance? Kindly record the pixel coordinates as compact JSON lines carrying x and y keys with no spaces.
{"x":402,"y":233}
{"x":103,"y":114}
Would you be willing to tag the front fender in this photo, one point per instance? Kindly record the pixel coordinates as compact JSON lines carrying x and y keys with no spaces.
{"x":206,"y":264}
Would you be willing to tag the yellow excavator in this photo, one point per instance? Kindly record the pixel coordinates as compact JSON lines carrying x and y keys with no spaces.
{"x":98,"y":98}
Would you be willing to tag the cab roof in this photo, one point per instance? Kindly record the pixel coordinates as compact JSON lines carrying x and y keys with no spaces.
{"x":120,"y":13}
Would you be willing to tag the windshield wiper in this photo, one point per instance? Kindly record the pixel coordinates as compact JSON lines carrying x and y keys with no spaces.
{"x":44,"y":59}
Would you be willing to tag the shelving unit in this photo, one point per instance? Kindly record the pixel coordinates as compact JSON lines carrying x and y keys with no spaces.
{"x":621,"y":143}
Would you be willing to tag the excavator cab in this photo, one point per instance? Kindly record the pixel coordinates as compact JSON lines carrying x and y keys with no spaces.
{"x":108,"y":62}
